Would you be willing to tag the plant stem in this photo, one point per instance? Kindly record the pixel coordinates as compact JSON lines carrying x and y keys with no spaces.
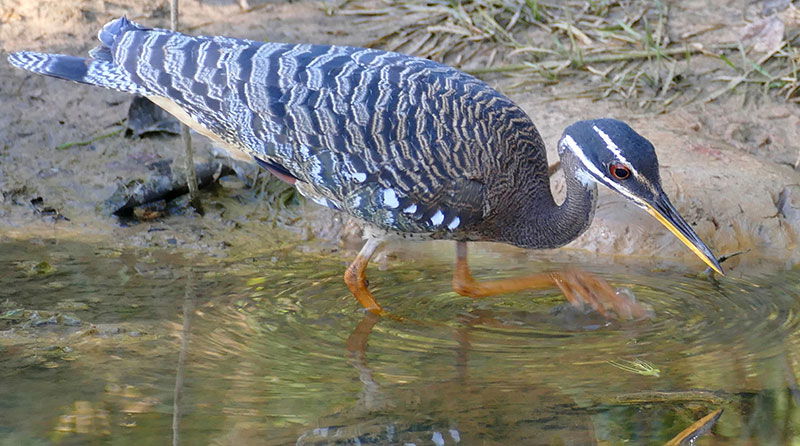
{"x":628,"y":55}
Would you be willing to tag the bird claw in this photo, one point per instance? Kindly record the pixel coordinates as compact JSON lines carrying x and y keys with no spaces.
{"x":582,"y":290}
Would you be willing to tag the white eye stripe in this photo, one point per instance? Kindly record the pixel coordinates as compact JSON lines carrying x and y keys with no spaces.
{"x":610,"y":144}
{"x":588,"y":165}
{"x":614,"y":148}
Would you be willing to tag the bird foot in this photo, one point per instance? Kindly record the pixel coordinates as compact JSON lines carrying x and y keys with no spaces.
{"x":582,"y":290}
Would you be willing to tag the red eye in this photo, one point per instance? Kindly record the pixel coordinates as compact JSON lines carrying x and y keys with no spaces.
{"x":619,"y":171}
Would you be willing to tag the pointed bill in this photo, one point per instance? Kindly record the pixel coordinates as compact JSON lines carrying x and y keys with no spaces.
{"x":664,"y":212}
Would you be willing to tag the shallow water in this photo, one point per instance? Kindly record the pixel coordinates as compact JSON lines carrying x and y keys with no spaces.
{"x":142,"y":346}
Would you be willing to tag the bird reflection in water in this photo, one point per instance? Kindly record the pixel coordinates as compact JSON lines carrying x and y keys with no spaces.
{"x":454,"y":410}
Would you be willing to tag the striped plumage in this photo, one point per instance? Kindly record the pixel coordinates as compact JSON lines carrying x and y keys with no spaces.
{"x":403,"y":142}
{"x":409,"y":145}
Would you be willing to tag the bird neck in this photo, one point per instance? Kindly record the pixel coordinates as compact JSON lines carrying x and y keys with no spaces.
{"x":543,"y":224}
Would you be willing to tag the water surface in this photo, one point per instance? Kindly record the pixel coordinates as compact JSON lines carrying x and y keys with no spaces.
{"x":141,"y":346}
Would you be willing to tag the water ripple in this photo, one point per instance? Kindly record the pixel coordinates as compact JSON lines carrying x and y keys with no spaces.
{"x":278,"y":351}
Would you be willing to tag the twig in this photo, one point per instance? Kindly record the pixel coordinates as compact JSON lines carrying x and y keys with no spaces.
{"x":734,"y":82}
{"x":68,"y":145}
{"x":128,"y":197}
{"x":173,"y":15}
{"x":191,"y":173}
{"x":188,"y":149}
{"x":698,"y":428}
{"x":626,"y":56}
{"x":669,"y":397}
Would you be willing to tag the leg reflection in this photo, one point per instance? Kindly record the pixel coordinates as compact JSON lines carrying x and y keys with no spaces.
{"x":370,"y":398}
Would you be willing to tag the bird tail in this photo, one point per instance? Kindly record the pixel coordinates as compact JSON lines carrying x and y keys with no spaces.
{"x":100,"y":69}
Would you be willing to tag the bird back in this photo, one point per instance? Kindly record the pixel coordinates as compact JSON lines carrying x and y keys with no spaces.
{"x":404,"y":142}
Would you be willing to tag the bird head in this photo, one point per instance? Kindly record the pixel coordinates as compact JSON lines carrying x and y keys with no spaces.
{"x":609,"y":152}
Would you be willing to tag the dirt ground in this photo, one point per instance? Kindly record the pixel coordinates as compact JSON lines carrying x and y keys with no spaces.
{"x":728,"y":165}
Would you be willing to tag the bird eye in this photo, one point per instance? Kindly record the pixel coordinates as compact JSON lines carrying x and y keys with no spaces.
{"x":619,"y":171}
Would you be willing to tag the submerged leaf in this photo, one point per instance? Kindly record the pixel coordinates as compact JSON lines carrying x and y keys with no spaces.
{"x":638,"y":366}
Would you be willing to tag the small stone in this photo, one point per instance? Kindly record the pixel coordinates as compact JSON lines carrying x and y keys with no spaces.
{"x":108,"y":330}
{"x":38,"y":321}
{"x":70,"y":320}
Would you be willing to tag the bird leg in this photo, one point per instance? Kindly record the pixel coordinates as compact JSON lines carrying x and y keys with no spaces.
{"x":356,"y":277}
{"x":580,"y":288}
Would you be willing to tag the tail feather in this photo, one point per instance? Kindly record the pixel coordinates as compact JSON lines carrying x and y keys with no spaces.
{"x":100,"y":69}
{"x":56,"y":65}
{"x":78,"y":69}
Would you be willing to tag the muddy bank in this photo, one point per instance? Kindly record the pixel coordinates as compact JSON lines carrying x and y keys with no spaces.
{"x":728,"y":164}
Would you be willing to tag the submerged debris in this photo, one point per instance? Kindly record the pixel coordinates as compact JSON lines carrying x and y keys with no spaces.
{"x":698,"y":428}
{"x":671,"y":397}
{"x":19,"y":318}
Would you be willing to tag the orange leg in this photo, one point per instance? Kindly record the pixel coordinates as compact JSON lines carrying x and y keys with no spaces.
{"x":579,"y":288}
{"x":356,"y":277}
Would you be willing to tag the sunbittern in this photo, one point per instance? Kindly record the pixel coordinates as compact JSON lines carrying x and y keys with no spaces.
{"x":413,"y":147}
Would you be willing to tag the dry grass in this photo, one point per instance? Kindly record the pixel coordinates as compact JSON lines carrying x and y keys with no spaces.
{"x":623,"y":49}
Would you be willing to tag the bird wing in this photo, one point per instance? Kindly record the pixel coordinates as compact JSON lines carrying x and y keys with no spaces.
{"x":393,"y":139}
